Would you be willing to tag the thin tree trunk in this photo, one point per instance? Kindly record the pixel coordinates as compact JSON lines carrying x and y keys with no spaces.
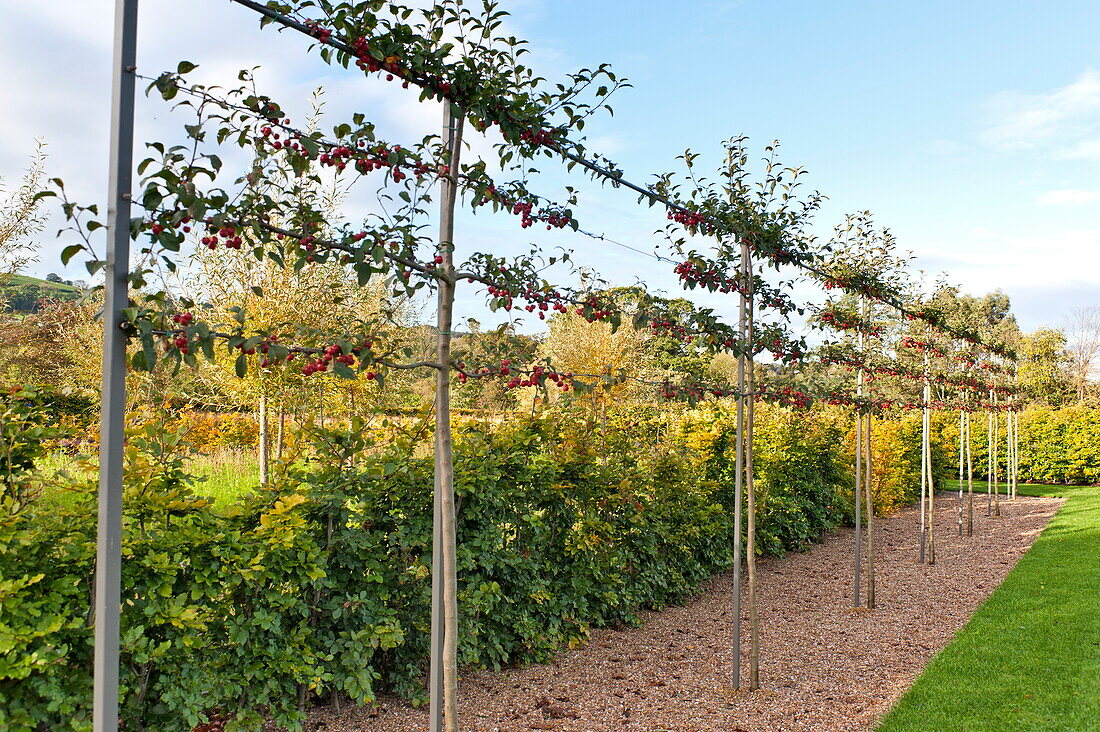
{"x":989,"y":460}
{"x":868,"y":484}
{"x":1010,"y":451}
{"x":926,"y":434}
{"x":931,"y":493}
{"x":923,"y":480}
{"x":351,"y":420}
{"x":750,"y":491}
{"x":265,"y":442}
{"x":444,"y":672}
{"x":996,"y":461}
{"x":739,"y":475}
{"x":857,"y":588}
{"x":969,"y":479}
{"x":1015,"y":452}
{"x":961,"y":456}
{"x":280,"y":437}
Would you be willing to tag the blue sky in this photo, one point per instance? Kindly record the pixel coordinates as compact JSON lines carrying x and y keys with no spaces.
{"x":971,"y":129}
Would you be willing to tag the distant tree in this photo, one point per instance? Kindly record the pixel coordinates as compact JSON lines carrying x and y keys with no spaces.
{"x":24,"y":298}
{"x":21,"y":216}
{"x":51,"y":277}
{"x":1083,"y":345}
{"x":490,"y":346}
{"x":1044,"y":366}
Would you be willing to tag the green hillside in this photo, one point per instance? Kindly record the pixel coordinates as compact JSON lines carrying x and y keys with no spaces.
{"x":22,"y":293}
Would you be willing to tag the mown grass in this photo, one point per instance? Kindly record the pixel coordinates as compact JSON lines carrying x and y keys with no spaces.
{"x":1029,"y":659}
{"x":226,"y":476}
{"x":223,"y":476}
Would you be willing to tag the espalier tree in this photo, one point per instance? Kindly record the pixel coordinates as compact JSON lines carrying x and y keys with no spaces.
{"x":189,"y":198}
{"x":725,"y":233}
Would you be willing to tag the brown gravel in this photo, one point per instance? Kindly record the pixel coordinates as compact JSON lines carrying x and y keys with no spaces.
{"x":824,"y":665}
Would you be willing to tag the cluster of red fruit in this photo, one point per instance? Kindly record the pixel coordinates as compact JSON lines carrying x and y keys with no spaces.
{"x":786,"y":397}
{"x":711,"y":278}
{"x":851,"y":363}
{"x":537,"y":137}
{"x":843,"y":321}
{"x":669,"y":329}
{"x":833,"y":282}
{"x":694,"y":391}
{"x":690,"y":219}
{"x":525,"y":210}
{"x":536,"y":376}
{"x":324,"y":35}
{"x":269,"y":133}
{"x":178,"y":338}
{"x":330,"y":355}
{"x":835,"y":399}
{"x":922,"y":346}
{"x":156,"y":227}
{"x":544,"y":301}
{"x":228,"y":236}
{"x":367,"y":62}
{"x":544,"y":307}
{"x":779,"y":350}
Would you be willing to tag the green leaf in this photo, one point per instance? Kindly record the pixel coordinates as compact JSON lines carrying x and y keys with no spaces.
{"x":241,"y":366}
{"x":70,"y":251}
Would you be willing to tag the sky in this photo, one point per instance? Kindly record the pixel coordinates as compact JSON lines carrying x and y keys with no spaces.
{"x":971,"y":130}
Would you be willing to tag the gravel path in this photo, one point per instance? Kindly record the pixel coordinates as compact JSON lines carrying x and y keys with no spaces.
{"x":825,"y":666}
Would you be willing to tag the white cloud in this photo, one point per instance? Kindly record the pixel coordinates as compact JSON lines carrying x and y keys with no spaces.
{"x":1064,"y":122}
{"x":984,"y":260}
{"x":1069,"y":197}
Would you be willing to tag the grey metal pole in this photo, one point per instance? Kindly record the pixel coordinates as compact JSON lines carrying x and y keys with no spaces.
{"x":108,"y":576}
{"x":739,"y":477}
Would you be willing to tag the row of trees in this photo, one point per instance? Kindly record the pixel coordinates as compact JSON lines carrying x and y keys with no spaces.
{"x":255,"y":280}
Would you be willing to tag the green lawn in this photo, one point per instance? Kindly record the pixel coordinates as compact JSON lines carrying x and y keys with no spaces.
{"x":223,"y":477}
{"x":1029,"y":659}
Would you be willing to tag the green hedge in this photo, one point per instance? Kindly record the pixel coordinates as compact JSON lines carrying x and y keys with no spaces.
{"x":321,"y":584}
{"x":1056,"y":445}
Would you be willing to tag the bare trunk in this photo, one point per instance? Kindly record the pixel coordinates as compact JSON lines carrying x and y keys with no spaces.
{"x":444,"y":643}
{"x":969,"y":480}
{"x":868,"y":485}
{"x":857,"y":588}
{"x":750,"y":491}
{"x":989,"y":460}
{"x":931,"y":490}
{"x":281,"y":435}
{"x":928,"y":552}
{"x":961,"y":456}
{"x":1010,"y":452}
{"x":996,"y":461}
{"x":923,"y":483}
{"x":739,"y":475}
{"x":265,"y":442}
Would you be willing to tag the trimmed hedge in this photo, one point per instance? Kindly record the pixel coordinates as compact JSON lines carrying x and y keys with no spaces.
{"x":1060,"y":446}
{"x":320,"y":585}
